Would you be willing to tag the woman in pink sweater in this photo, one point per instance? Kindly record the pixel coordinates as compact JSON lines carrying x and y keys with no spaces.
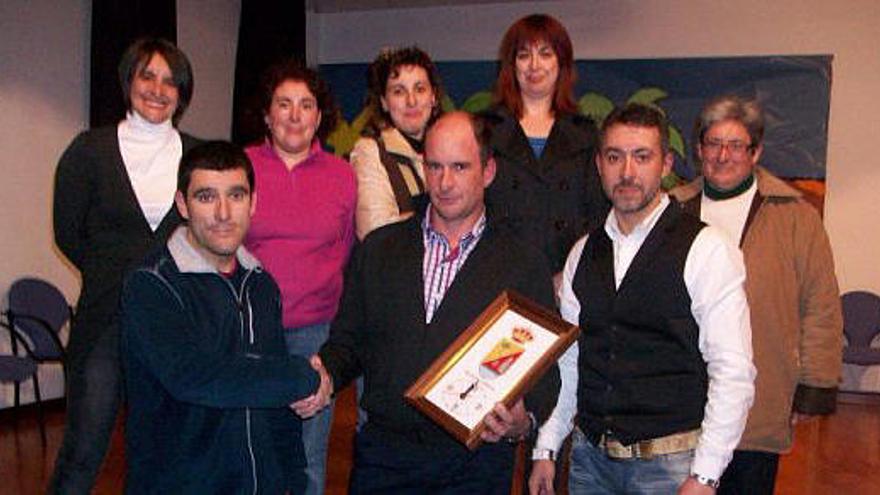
{"x":303,"y":227}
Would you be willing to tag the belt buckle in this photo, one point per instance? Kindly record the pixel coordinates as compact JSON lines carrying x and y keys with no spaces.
{"x":614,"y":449}
{"x":643,"y":449}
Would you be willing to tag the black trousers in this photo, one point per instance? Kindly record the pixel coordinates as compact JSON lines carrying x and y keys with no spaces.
{"x":94,"y":392}
{"x":385,"y":463}
{"x":750,"y":472}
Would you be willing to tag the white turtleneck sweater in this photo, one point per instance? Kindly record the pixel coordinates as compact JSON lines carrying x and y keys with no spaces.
{"x":151,"y":153}
{"x":730,"y":214}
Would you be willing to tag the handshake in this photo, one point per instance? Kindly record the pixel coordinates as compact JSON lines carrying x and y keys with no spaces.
{"x":501,"y":423}
{"x":313,"y":404}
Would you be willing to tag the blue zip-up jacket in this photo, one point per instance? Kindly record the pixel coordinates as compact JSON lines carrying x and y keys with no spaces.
{"x":208,"y":379}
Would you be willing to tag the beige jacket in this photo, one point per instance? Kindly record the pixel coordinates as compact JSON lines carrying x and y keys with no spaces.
{"x":797,"y":325}
{"x":376,"y":205}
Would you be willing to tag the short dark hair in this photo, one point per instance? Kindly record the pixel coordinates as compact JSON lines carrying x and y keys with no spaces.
{"x":293,"y":70}
{"x":482,"y":133}
{"x":386,"y":66}
{"x":213,"y":155}
{"x":138,"y":55}
{"x":639,"y":115}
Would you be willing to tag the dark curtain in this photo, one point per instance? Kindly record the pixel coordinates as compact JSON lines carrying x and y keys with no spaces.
{"x":269,"y":31}
{"x":115,"y":25}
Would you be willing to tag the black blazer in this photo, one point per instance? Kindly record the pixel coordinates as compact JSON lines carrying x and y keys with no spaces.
{"x":553,"y":200}
{"x":99,"y":226}
{"x":380,"y":330}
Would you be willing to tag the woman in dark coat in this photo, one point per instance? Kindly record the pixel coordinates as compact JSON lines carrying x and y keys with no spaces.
{"x":114,"y":192}
{"x":546,"y":189}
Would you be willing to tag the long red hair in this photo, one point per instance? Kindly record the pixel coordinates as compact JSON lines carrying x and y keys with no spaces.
{"x":524,"y":32}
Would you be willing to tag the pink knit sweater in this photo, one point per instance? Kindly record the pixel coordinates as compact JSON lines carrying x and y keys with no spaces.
{"x":303,"y":229}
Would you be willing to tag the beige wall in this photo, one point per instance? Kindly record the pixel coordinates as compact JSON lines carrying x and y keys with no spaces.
{"x":44,"y":78}
{"x":44,"y":88}
{"x":682,"y":28}
{"x":207,"y":31}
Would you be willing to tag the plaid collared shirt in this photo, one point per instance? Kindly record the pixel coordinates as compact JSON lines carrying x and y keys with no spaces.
{"x":442,"y":263}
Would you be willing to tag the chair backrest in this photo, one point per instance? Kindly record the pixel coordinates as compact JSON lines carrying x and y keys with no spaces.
{"x":861,"y":317}
{"x":39,"y":310}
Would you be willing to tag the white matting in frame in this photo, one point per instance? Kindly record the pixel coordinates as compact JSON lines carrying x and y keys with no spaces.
{"x":498,"y":358}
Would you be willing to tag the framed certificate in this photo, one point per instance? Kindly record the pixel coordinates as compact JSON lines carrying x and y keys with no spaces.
{"x":498,"y":358}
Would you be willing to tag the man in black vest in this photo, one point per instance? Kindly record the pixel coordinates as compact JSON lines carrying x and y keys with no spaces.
{"x":411,"y":288}
{"x":661,"y":377}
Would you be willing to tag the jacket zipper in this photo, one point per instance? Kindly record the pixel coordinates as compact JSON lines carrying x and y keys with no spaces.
{"x":238,"y":297}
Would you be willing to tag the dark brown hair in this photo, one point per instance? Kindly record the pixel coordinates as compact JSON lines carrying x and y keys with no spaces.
{"x":638,"y":115}
{"x":531,"y":29}
{"x":387,"y":66}
{"x":138,"y":55}
{"x":293,"y":70}
{"x":213,"y":155}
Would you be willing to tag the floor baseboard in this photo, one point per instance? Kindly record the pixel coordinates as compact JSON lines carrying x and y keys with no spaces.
{"x":869,"y":398}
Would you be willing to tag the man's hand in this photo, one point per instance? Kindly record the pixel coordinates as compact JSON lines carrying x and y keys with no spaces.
{"x":541,"y":480}
{"x":311,"y":405}
{"x":694,"y":487}
{"x":510,"y":423}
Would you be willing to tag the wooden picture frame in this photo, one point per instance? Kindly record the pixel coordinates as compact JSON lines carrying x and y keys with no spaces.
{"x":498,"y":358}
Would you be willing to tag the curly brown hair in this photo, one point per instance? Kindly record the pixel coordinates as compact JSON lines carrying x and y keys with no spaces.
{"x":387,"y":66}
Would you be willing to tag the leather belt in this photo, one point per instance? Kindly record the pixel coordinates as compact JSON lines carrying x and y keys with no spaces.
{"x":646,"y":449}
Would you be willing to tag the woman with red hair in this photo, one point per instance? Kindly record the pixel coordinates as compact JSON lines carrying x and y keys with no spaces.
{"x":546,"y":189}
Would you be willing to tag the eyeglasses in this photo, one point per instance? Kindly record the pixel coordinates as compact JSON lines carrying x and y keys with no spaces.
{"x":736,"y":149}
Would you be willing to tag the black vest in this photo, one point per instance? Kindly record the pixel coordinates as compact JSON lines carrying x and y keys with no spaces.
{"x":641,"y":374}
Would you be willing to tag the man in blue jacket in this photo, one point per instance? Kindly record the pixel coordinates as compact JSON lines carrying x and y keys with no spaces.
{"x":207,"y":376}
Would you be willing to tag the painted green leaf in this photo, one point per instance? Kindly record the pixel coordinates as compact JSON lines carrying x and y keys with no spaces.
{"x":477,"y":102}
{"x":595,"y":106}
{"x":648,"y":96}
{"x":339,"y":136}
{"x":361,"y":120}
{"x":344,"y":136}
{"x":676,"y":142}
{"x":670,"y":181}
{"x":446,"y":104}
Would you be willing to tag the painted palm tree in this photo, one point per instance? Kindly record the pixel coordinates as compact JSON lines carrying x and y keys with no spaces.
{"x":592,"y":104}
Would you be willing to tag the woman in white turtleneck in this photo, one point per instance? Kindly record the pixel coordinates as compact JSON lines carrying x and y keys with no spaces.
{"x":114,"y":194}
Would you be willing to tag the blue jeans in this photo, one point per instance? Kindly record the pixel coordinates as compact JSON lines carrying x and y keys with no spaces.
{"x":592,"y":472}
{"x":306,"y":341}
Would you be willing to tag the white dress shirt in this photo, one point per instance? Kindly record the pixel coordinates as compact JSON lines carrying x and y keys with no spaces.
{"x":714,"y":275}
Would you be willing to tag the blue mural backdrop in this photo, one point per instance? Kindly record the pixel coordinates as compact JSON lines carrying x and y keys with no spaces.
{"x":793,"y":90}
